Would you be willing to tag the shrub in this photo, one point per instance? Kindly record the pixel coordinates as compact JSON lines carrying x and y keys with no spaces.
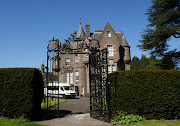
{"x":21,"y":92}
{"x":21,"y":119}
{"x":124,"y":119}
{"x":153,"y":94}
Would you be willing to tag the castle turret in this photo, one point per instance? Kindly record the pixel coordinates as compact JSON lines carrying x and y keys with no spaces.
{"x":125,"y":45}
{"x":79,"y":36}
{"x":80,"y":33}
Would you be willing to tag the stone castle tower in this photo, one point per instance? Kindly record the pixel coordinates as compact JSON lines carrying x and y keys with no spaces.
{"x":74,"y":67}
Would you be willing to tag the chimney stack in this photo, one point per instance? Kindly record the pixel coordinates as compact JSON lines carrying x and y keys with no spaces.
{"x":87,"y":30}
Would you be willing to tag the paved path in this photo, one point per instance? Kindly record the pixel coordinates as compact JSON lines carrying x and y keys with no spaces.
{"x":75,"y":120}
{"x":74,"y":113}
{"x":76,"y":106}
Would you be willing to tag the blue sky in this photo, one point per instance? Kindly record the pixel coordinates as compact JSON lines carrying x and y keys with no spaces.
{"x":26,"y":26}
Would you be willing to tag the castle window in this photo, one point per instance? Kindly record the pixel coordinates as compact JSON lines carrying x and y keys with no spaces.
{"x":110,"y":50}
{"x":67,"y":61}
{"x":71,"y":77}
{"x":67,"y":77}
{"x":113,"y":68}
{"x":109,"y":69}
{"x":76,"y":75}
{"x":76,"y":57}
{"x":108,"y":34}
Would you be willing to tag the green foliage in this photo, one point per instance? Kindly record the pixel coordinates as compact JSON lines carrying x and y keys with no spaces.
{"x":163,"y":16}
{"x":153,"y":63}
{"x":51,"y":103}
{"x":143,"y":62}
{"x":22,"y":119}
{"x":16,"y":122}
{"x":167,"y":63}
{"x":153,"y":94}
{"x":124,"y":119}
{"x":156,"y":123}
{"x":135,"y":63}
{"x":164,"y":23}
{"x":150,"y":63}
{"x":21,"y":92}
{"x":118,"y":115}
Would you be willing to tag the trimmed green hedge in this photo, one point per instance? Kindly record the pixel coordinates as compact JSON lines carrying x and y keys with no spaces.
{"x":154,"y":94}
{"x":21,"y":92}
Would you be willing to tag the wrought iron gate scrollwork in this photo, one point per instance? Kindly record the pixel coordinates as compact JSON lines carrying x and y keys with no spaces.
{"x":99,"y":91}
{"x":51,"y":85}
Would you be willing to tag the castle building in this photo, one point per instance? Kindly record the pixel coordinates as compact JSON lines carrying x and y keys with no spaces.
{"x":74,"y":67}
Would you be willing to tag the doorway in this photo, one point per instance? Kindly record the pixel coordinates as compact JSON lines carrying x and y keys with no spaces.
{"x":77,"y":90}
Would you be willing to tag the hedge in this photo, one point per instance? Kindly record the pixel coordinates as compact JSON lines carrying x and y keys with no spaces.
{"x":21,"y":92}
{"x":154,"y":94}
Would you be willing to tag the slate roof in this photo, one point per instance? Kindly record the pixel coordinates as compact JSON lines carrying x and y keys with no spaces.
{"x":96,"y":35}
{"x":80,"y":33}
{"x":123,"y":40}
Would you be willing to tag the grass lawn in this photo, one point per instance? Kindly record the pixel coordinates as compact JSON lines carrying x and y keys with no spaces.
{"x":51,"y":103}
{"x":16,"y":122}
{"x":157,"y":123}
{"x":22,"y":121}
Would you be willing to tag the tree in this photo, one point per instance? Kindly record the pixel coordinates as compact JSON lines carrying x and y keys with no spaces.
{"x":164,"y":19}
{"x":135,"y":63}
{"x":166,"y":63}
{"x":150,"y":63}
{"x":144,"y":61}
{"x":153,"y":63}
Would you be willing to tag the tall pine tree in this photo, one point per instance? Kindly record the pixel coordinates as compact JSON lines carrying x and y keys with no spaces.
{"x":164,"y":23}
{"x":135,"y":63}
{"x":153,"y":63}
{"x":150,"y":63}
{"x":143,"y":62}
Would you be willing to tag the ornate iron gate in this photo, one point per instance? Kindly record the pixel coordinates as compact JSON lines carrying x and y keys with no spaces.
{"x":99,"y":91}
{"x":52,"y":79}
{"x":98,"y":74}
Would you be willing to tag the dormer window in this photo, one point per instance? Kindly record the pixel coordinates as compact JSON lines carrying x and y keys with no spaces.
{"x":108,"y":34}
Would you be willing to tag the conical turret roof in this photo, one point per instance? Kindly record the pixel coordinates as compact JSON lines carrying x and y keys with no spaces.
{"x":80,"y":33}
